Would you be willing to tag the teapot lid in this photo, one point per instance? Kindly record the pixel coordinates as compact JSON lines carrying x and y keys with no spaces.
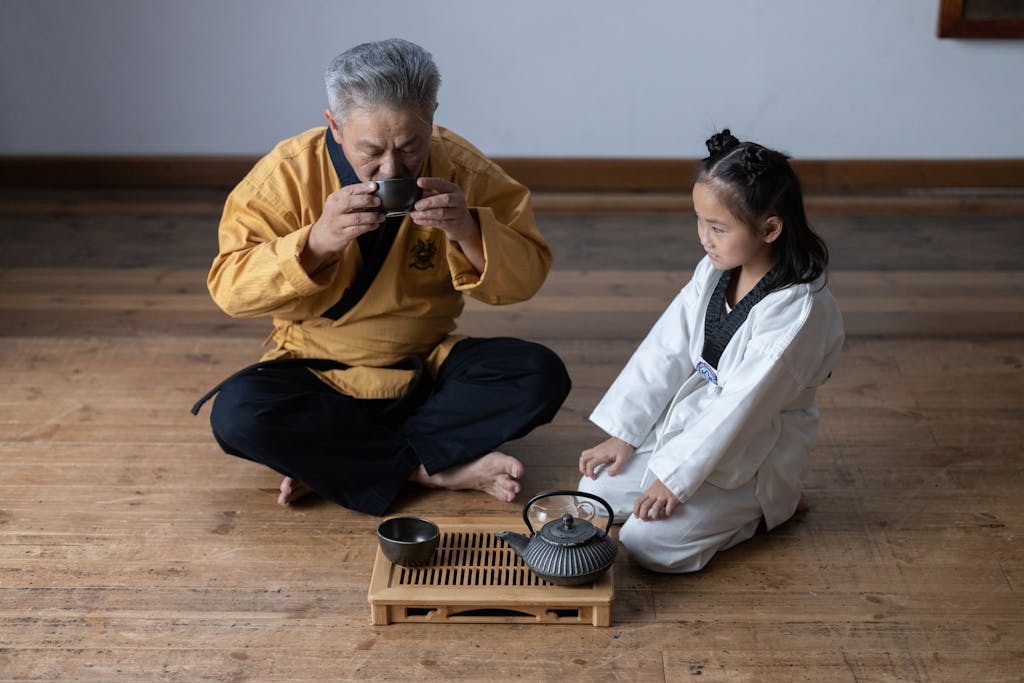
{"x":568,"y":530}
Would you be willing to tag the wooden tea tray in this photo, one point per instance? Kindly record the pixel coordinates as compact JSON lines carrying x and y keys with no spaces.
{"x":475,"y":578}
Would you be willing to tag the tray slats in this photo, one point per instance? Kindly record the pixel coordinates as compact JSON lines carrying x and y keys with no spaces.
{"x":470,"y":558}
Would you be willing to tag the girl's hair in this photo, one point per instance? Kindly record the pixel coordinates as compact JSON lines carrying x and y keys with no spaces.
{"x":756,"y":183}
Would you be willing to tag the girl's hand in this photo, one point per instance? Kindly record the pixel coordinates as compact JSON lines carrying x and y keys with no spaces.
{"x":613,"y":454}
{"x":657,"y":502}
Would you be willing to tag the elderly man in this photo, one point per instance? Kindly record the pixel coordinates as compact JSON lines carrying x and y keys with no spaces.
{"x":366,"y":387}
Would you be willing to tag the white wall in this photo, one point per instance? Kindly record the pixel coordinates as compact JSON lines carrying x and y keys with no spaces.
{"x":607,"y":78}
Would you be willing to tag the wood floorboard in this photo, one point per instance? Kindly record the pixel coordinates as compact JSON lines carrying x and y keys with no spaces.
{"x":177,"y":229}
{"x":132,"y":549}
{"x":601,"y":304}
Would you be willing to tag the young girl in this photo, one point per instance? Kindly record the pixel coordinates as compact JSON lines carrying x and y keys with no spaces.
{"x":712,"y":419}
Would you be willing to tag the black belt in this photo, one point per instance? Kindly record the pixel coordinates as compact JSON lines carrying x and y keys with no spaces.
{"x":418,"y":389}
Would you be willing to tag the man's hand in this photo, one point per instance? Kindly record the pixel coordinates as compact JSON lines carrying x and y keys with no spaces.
{"x":613,"y":453}
{"x":443,"y":206}
{"x":657,"y":502}
{"x":348,"y":213}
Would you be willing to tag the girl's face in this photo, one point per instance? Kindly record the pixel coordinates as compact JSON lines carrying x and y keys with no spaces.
{"x":728,"y":241}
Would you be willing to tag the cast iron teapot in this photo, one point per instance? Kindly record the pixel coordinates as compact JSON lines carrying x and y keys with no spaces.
{"x":567,"y":551}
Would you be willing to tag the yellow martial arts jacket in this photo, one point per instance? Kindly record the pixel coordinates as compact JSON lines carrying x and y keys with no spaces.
{"x":412,"y":304}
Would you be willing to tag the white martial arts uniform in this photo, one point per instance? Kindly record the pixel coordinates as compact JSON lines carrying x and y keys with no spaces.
{"x":732,"y":452}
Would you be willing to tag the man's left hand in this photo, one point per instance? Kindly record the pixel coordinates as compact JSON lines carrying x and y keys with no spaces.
{"x":443,"y":206}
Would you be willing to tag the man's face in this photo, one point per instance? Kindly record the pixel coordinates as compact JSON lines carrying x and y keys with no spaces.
{"x":383,"y":142}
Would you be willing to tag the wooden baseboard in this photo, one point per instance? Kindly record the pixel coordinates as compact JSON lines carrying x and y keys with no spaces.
{"x":123,"y":172}
{"x":569,"y":175}
{"x":937,"y":202}
{"x":819,"y":177}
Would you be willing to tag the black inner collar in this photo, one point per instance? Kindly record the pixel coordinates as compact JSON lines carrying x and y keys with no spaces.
{"x":373,"y":245}
{"x":720,"y":327}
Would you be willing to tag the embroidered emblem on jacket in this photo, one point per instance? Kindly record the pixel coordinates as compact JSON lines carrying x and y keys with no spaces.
{"x":423,"y":253}
{"x":707,"y":372}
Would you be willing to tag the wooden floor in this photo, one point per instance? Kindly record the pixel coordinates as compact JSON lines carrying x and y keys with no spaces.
{"x":131,"y":549}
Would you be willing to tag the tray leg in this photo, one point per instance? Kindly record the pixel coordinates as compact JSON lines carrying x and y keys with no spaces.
{"x":380,"y":615}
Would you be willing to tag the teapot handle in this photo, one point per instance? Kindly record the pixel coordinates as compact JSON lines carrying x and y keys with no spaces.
{"x":566,"y":492}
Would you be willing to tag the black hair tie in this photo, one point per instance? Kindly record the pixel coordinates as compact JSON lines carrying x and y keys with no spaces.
{"x":721,"y":143}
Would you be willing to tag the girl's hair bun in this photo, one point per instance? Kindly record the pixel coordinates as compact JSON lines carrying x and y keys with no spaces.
{"x":721,"y":143}
{"x":756,"y":160}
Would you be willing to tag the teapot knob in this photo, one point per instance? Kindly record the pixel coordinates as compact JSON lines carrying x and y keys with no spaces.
{"x":567,"y":521}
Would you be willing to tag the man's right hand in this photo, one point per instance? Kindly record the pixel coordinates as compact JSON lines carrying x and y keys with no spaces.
{"x":348,"y":213}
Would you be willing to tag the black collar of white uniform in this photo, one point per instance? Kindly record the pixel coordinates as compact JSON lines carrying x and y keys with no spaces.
{"x":720,"y":327}
{"x":373,"y":245}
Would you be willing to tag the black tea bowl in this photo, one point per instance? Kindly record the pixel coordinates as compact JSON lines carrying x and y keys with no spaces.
{"x":408,"y":541}
{"x":397,"y":195}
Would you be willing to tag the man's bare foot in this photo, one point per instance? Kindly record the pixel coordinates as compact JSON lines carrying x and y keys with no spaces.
{"x":496,"y":474}
{"x":292,"y":490}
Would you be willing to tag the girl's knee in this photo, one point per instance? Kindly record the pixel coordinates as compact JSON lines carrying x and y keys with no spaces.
{"x":654,"y":545}
{"x":612,"y":492}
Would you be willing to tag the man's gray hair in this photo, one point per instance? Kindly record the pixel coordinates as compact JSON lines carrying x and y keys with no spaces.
{"x":393,"y":72}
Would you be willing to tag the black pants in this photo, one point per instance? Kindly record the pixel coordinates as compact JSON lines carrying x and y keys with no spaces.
{"x":360,"y":453}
